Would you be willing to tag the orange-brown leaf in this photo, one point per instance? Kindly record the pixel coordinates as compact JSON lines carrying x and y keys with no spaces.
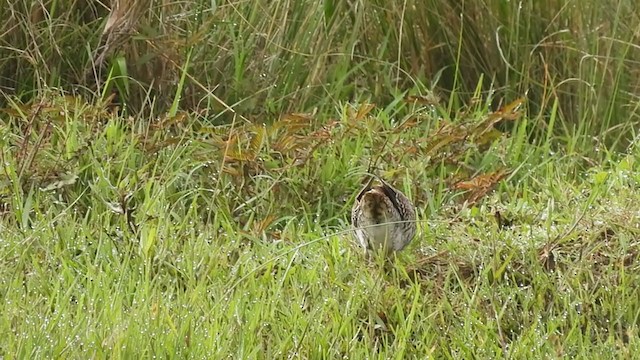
{"x":481,"y":185}
{"x":482,"y":181}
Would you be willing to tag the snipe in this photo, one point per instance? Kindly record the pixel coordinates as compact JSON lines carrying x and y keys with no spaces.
{"x":383,"y":218}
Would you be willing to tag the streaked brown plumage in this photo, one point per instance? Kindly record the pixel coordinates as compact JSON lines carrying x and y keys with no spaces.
{"x":383,"y":217}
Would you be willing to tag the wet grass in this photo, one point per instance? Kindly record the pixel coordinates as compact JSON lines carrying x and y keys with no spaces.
{"x":121,"y":240}
{"x":181,"y":186}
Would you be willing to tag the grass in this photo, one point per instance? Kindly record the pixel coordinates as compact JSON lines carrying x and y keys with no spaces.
{"x":144,"y":243}
{"x":189,"y":196}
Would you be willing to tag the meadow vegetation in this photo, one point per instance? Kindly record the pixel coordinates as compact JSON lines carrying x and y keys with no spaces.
{"x":176,"y":178}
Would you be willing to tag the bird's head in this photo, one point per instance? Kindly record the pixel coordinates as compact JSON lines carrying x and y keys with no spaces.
{"x":375,"y":205}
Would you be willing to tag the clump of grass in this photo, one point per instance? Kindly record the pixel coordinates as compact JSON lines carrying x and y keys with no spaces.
{"x":579,"y":61}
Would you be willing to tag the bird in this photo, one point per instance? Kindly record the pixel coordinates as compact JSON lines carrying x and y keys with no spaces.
{"x":383,"y":218}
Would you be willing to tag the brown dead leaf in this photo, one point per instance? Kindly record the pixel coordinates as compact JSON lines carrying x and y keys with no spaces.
{"x":481,"y":185}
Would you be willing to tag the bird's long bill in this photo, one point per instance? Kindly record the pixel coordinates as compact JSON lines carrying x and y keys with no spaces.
{"x":366,"y":187}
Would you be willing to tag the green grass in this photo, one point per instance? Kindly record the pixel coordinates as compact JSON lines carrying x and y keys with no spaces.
{"x":260,"y":59}
{"x":124,"y":240}
{"x":191,"y":197}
